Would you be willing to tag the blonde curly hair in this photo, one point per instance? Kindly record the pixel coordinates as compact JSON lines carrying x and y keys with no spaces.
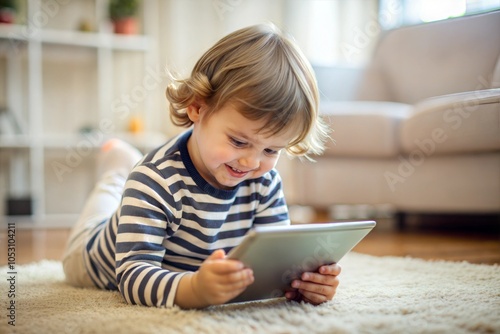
{"x":265,"y":74}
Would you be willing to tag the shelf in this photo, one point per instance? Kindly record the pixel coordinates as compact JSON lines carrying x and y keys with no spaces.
{"x":20,"y":33}
{"x":31,"y":76}
{"x":140,"y":140}
{"x":46,"y":221}
{"x":13,"y":32}
{"x":15,"y":141}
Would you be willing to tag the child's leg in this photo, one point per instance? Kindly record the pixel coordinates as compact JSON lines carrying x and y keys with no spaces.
{"x":115,"y":162}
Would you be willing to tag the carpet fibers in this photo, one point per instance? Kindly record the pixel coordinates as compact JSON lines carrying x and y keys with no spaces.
{"x":376,"y":295}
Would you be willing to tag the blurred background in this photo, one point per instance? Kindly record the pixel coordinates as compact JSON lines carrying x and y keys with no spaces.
{"x":73,"y":73}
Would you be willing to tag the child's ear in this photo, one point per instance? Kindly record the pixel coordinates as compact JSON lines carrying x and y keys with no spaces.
{"x":195,"y":110}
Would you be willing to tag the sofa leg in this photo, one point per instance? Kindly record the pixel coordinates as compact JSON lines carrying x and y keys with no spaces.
{"x":400,"y":218}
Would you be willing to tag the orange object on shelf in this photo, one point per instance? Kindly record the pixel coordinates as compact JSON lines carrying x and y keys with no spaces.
{"x":136,"y":125}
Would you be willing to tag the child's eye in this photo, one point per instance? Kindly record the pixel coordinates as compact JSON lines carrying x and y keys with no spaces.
{"x":236,"y":142}
{"x":271,"y":152}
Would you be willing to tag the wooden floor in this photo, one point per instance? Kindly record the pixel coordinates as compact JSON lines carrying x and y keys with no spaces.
{"x":472,"y":239}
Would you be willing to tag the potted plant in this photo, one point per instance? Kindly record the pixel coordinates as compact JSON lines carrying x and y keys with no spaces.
{"x":8,"y":9}
{"x":123,"y":15}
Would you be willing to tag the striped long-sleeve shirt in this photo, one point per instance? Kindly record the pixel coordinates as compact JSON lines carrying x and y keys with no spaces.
{"x":170,"y":220}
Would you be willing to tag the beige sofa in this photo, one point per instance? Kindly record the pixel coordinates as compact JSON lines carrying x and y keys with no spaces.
{"x":423,"y":133}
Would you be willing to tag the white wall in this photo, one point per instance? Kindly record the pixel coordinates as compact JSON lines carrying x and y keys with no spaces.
{"x":187,"y":28}
{"x":331,"y":33}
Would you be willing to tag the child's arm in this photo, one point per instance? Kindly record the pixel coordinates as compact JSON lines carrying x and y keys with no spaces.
{"x":316,"y":288}
{"x":217,"y":281}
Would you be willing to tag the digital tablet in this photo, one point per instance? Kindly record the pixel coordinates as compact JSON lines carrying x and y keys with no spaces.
{"x":279,"y":254}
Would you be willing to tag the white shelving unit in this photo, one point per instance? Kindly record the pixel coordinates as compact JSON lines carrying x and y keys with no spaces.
{"x":23,"y":47}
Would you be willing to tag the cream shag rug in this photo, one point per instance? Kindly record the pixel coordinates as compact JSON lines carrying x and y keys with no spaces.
{"x":376,"y":295}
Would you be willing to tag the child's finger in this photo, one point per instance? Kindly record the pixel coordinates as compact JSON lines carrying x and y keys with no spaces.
{"x":313,"y":298}
{"x":328,"y":290}
{"x":225,"y":267}
{"x":321,"y":289}
{"x":217,"y":255}
{"x":332,"y":269}
{"x":240,"y":279}
{"x":315,"y":278}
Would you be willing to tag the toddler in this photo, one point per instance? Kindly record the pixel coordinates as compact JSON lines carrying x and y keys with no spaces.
{"x":157,"y":227}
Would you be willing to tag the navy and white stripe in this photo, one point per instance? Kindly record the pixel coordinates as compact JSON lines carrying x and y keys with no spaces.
{"x":170,"y":219}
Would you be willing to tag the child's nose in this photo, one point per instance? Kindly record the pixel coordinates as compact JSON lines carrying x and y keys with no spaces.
{"x":250,"y":162}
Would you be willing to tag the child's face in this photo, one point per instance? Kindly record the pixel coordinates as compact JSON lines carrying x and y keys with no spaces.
{"x":226,"y":147}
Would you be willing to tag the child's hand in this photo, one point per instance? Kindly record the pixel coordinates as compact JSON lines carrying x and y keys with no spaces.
{"x":316,"y":288}
{"x":219,"y":279}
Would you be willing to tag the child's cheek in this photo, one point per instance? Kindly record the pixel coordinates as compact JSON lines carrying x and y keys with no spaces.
{"x":222,"y":156}
{"x":268,"y":164}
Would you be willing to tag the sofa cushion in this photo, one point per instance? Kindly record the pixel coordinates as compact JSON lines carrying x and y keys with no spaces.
{"x":364,"y":129}
{"x":456,"y":123}
{"x":416,"y":62}
{"x":468,"y":183}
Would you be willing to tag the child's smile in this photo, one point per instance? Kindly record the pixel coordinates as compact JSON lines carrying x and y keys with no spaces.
{"x":236,"y":172}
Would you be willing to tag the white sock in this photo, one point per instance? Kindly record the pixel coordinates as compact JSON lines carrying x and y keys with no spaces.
{"x":117,"y":155}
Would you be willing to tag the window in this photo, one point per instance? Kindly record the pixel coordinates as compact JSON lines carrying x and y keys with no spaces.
{"x":396,"y":13}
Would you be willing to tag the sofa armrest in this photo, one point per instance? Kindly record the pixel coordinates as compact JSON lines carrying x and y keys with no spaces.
{"x":455,"y":123}
{"x":364,"y":128}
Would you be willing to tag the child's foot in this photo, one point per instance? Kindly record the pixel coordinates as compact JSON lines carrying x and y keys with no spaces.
{"x":117,"y":155}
